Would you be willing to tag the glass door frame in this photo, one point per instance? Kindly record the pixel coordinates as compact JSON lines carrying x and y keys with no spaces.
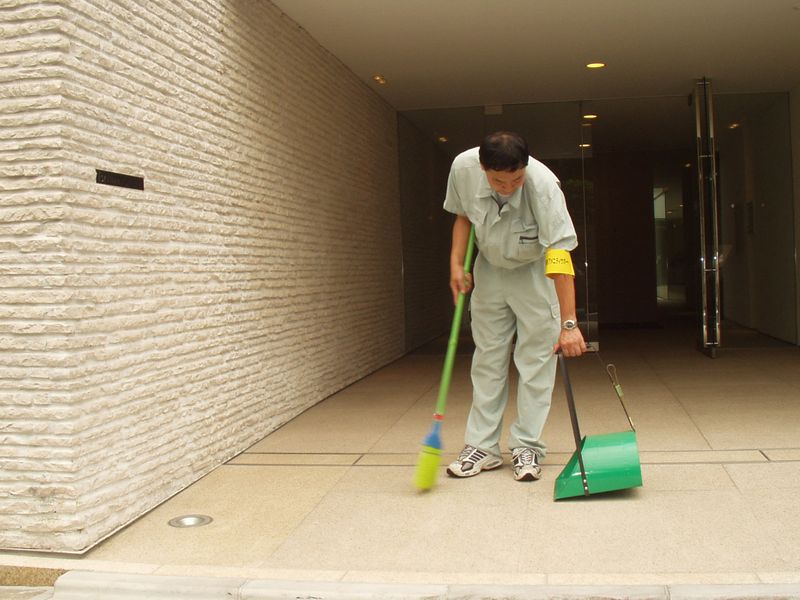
{"x":709,"y":334}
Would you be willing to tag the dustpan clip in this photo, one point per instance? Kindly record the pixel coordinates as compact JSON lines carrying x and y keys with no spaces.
{"x":612,"y":375}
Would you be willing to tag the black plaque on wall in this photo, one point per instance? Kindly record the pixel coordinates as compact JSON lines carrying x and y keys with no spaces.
{"x":120,"y":180}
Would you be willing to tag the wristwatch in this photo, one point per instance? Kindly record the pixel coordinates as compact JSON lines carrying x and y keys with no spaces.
{"x":569,"y":324}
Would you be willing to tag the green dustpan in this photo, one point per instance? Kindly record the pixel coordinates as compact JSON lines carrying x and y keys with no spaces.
{"x":601,"y":463}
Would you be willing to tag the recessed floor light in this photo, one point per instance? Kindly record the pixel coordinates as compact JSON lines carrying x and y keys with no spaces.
{"x":190,"y":521}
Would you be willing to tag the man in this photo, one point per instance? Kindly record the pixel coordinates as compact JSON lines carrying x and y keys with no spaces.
{"x":524,"y":286}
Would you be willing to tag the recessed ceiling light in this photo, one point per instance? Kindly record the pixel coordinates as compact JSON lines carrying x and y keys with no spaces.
{"x":442,"y":139}
{"x":595,"y":65}
{"x":590,"y":116}
{"x":585,"y":146}
{"x":733,"y":126}
{"x":379,"y":79}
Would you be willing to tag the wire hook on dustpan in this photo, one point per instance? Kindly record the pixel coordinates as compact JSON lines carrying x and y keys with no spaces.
{"x":612,"y":374}
{"x":600,"y":463}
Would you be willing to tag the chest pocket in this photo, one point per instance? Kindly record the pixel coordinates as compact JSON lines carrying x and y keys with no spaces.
{"x":523,"y":242}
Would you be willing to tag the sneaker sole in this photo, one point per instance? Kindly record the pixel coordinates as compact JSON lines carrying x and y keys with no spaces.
{"x":477,"y":471}
{"x":528,"y":477}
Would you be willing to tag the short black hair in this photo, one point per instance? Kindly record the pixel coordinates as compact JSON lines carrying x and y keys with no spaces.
{"x":503,"y":151}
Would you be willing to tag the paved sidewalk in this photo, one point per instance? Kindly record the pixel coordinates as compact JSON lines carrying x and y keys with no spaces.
{"x":327,"y":502}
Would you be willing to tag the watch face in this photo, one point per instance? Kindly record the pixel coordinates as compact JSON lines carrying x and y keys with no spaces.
{"x":569,"y":324}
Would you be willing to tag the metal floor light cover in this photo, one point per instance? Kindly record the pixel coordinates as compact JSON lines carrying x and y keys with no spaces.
{"x":601,"y":463}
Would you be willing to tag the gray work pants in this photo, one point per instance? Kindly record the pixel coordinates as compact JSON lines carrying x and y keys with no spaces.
{"x":505,"y":302}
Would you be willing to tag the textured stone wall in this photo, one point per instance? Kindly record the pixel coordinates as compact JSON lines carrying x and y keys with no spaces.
{"x":146,"y":336}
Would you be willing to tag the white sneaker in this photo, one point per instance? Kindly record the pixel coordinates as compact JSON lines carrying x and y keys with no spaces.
{"x":526,"y":464}
{"x":472,"y":461}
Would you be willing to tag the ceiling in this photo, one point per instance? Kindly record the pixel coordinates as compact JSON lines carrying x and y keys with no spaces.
{"x":440,"y":55}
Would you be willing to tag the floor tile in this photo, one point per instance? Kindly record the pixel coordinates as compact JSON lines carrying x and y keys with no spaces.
{"x":251,"y":517}
{"x":748,"y":420}
{"x":392,"y":526}
{"x":665,"y":478}
{"x":695,"y":532}
{"x":783,"y":475}
{"x":286,"y":458}
{"x":626,"y":579}
{"x":703,"y":456}
{"x":775,"y":510}
{"x":782,"y":454}
{"x":207,"y":570}
{"x":445,"y":577}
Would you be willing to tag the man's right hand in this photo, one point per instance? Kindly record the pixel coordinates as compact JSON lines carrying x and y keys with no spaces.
{"x":460,"y":282}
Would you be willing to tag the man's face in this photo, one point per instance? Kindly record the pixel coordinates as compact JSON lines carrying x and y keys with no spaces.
{"x":505,"y":183}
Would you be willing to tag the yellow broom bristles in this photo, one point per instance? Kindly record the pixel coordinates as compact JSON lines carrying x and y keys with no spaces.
{"x":427,"y":467}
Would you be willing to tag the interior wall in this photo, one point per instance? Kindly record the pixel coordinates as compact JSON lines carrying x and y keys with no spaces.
{"x":151,"y":334}
{"x":427,"y":230}
{"x":626,"y":279}
{"x":757,"y":212}
{"x":774,"y":231}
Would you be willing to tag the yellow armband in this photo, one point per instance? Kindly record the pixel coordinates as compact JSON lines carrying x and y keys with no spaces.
{"x":558,"y":262}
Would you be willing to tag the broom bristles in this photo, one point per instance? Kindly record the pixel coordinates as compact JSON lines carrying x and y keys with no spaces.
{"x":427,"y":467}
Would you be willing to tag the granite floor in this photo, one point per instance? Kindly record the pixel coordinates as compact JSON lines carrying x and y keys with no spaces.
{"x":329,"y":496}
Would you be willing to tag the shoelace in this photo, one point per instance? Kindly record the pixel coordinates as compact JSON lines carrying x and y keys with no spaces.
{"x":524,"y":457}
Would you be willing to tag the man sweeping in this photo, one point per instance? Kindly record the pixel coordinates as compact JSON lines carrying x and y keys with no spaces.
{"x":523,"y":286}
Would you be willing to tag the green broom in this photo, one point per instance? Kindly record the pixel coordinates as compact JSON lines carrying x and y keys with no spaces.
{"x":431,"y":454}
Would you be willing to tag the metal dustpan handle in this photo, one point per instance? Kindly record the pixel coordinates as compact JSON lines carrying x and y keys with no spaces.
{"x":573,"y":416}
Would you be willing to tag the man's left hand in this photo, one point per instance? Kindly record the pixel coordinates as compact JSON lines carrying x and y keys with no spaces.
{"x":570,"y":342}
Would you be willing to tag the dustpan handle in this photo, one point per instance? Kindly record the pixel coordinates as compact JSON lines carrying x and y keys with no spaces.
{"x":573,"y":417}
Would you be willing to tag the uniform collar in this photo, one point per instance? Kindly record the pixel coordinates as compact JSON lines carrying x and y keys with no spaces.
{"x":486,"y":191}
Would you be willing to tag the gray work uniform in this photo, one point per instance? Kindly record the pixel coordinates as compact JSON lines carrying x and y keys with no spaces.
{"x":511,"y":295}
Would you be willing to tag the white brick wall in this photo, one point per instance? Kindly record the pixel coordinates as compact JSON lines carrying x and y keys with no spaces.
{"x":147,"y":336}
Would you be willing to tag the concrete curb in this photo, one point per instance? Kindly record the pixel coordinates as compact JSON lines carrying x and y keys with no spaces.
{"x":755,"y":591}
{"x":83,"y":585}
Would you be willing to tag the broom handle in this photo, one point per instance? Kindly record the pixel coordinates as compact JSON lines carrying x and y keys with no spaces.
{"x":455,"y":328}
{"x":573,"y":416}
